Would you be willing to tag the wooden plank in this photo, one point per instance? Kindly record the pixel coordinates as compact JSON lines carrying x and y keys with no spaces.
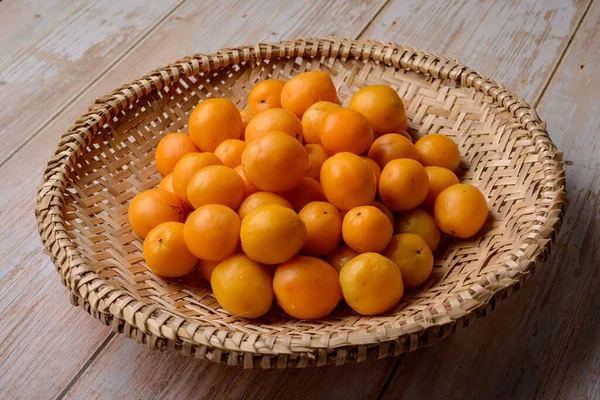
{"x":544,"y":341}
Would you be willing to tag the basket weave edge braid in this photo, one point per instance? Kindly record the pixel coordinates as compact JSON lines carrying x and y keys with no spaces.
{"x":160,"y":329}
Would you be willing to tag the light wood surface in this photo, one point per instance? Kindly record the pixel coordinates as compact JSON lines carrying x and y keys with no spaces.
{"x":510,"y":353}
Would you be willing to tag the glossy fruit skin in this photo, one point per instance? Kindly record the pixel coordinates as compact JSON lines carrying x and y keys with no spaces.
{"x":249,"y":188}
{"x":316,"y":157}
{"x":213,"y":121}
{"x":439,"y":150}
{"x":461,"y":210}
{"x":347,"y":181}
{"x":413,"y":257}
{"x":367,"y":229}
{"x":403,"y":184}
{"x":375,"y":167}
{"x":392,"y":146}
{"x":307,"y":287}
{"x":272,"y":234}
{"x":306,"y":89}
{"x":212,"y":232}
{"x":265,"y":95}
{"x":230,"y":152}
{"x":170,"y":149}
{"x":207,"y":267}
{"x":187,"y":167}
{"x":166,"y":183}
{"x":388,"y":213}
{"x":312,"y":119}
{"x":274,"y":119}
{"x":216,"y":184}
{"x":382,"y":106}
{"x":421,"y":223}
{"x":371,"y":284}
{"x":323,"y":226}
{"x":404,"y":134}
{"x":275,"y":162}
{"x":340,"y":256}
{"x":242,"y":287}
{"x":153,"y":207}
{"x":165,"y":251}
{"x":440,"y":178}
{"x":308,"y":190}
{"x":246,"y":115}
{"x":260,"y":199}
{"x":344,"y":129}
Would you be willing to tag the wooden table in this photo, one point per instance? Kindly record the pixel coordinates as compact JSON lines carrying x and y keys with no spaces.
{"x":57,"y":56}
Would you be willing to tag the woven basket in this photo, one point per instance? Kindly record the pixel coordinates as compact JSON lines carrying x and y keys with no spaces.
{"x":107,"y":157}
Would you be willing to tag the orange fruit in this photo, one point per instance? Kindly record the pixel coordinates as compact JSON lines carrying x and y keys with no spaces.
{"x":207,"y":267}
{"x":413,"y":257}
{"x":265,"y":94}
{"x":367,"y":229}
{"x":382,"y":106}
{"x":166,"y":183}
{"x":347,"y":181}
{"x":404,"y":134}
{"x":421,"y":223}
{"x":213,"y":121}
{"x":248,"y":187}
{"x":460,"y":210}
{"x":312,"y":119}
{"x":403,"y":184}
{"x":216,"y":184}
{"x":170,"y":149}
{"x":242,"y":287}
{"x":439,"y":179}
{"x":306,"y":89}
{"x":212,"y":232}
{"x":274,"y":119}
{"x":153,"y":207}
{"x":375,"y":167}
{"x":230,"y":152}
{"x":340,"y":256}
{"x":272,"y":234}
{"x":165,"y":251}
{"x":345,"y":130}
{"x":316,"y":157}
{"x":438,"y":150}
{"x":187,"y":167}
{"x":371,"y":284}
{"x":390,"y":147}
{"x":247,"y":115}
{"x":260,"y":199}
{"x":306,"y":287}
{"x":388,"y":213}
{"x":323,"y":228}
{"x":275,"y":162}
{"x":308,"y":190}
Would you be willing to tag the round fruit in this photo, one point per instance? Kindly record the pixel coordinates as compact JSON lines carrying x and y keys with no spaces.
{"x":206,"y":268}
{"x":274,"y":119}
{"x":371,"y":284}
{"x":242,"y":286}
{"x":421,"y":223}
{"x":312,"y":119}
{"x":367,"y":229}
{"x":260,"y":199}
{"x":388,"y":213}
{"x":347,"y":181}
{"x":166,"y":183}
{"x":403,"y":184}
{"x":438,"y":150}
{"x":413,"y":256}
{"x":460,"y":210}
{"x":308,"y":190}
{"x":265,"y":95}
{"x":272,"y":234}
{"x":153,"y":207}
{"x":213,"y":121}
{"x":439,"y":179}
{"x":382,"y":106}
{"x":275,"y":162}
{"x":170,"y":149}
{"x":248,"y":187}
{"x":216,"y":184}
{"x":316,"y":157}
{"x":247,"y":115}
{"x":212,"y":232}
{"x":187,"y":167}
{"x":306,"y":89}
{"x":340,"y":256}
{"x":165,"y":251}
{"x":375,"y":167}
{"x":306,"y":287}
{"x":230,"y":152}
{"x":390,"y":147}
{"x":405,"y":134}
{"x":345,"y":130}
{"x":323,"y":228}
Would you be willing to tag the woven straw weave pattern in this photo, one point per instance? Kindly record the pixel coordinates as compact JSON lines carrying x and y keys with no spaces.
{"x":107,"y":157}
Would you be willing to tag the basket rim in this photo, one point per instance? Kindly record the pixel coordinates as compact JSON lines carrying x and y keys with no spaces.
{"x":112,"y":304}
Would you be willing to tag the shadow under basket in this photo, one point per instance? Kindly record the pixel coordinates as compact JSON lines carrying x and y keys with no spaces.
{"x":107,"y":157}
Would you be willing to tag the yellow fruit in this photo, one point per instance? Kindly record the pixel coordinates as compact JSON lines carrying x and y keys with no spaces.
{"x":460,"y":210}
{"x":413,"y":256}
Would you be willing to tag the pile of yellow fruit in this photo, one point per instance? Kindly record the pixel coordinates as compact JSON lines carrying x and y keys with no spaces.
{"x":304,"y":200}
